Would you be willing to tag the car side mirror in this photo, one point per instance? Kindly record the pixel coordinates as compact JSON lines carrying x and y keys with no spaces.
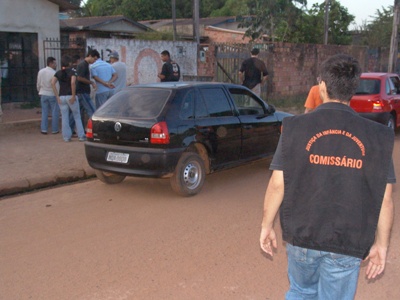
{"x":271,"y":109}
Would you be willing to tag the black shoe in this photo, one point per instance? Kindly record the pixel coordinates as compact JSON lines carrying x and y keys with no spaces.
{"x":43,"y":132}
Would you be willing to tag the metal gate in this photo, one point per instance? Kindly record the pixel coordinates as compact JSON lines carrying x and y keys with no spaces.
{"x":19,"y":66}
{"x":57,"y":48}
{"x":229,"y":58}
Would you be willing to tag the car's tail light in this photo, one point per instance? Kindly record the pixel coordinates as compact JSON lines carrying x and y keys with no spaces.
{"x":377,"y":105}
{"x":89,"y":129}
{"x":159,"y":133}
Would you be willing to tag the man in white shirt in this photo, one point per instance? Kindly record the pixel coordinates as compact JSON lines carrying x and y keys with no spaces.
{"x":47,"y":98}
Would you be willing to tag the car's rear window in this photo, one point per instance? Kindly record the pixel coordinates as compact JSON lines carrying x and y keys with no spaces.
{"x":135,"y":103}
{"x":368,"y":87}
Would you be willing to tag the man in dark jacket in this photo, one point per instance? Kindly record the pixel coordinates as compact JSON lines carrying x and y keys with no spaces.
{"x":170,"y":70}
{"x":332,"y":181}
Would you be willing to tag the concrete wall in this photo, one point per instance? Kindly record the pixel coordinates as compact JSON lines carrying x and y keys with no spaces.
{"x":143,"y":57}
{"x":33,"y":16}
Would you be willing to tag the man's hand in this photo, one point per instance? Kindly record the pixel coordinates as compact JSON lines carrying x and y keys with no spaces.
{"x":268,"y":239}
{"x":377,"y":261}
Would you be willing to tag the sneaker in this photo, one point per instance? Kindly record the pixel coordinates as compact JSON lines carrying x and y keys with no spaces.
{"x":43,"y":132}
{"x":68,"y":140}
{"x":83,"y":139}
{"x":55,"y":132}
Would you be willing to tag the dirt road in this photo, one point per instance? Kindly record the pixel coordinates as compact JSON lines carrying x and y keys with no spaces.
{"x":138,"y":240}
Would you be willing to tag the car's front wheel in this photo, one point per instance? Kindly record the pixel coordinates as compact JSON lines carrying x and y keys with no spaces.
{"x":109,"y":178}
{"x":189,"y":175}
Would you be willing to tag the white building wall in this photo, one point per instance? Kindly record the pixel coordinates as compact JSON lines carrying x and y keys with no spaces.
{"x":31,"y":16}
{"x":143,"y":57}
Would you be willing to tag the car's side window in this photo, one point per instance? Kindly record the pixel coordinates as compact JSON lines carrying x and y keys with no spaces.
{"x":396,"y":83}
{"x":389,"y":87}
{"x":216,"y":102}
{"x":187,"y":107}
{"x":246,"y":103}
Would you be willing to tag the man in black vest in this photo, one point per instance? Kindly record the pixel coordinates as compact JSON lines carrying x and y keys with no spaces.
{"x":332,"y":181}
{"x":170,"y":70}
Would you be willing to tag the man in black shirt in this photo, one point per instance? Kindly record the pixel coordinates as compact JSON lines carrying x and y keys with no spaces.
{"x":253,"y":72}
{"x":83,"y":82}
{"x":170,"y":69}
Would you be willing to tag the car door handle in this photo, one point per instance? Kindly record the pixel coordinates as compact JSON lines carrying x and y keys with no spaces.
{"x":204,"y":130}
{"x":247,"y":126}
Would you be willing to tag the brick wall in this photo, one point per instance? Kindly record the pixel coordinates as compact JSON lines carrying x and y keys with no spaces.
{"x":293,"y":68}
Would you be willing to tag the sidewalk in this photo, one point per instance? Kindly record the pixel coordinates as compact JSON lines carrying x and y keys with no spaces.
{"x":31,"y":160}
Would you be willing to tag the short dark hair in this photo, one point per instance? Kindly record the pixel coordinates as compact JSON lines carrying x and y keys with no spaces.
{"x":341,"y":74}
{"x":94,"y":53}
{"x":255,"y":51}
{"x":66,"y":61}
{"x":76,"y":57}
{"x":165,"y":52}
{"x":50,"y":60}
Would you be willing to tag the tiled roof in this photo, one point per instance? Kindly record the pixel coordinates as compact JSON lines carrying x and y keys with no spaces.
{"x":93,"y":22}
{"x":214,"y":21}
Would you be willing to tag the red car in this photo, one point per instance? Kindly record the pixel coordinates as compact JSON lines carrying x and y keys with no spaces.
{"x":378,"y":98}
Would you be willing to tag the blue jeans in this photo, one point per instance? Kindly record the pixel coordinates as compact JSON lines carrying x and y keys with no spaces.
{"x":86,"y":105}
{"x":49,"y":104}
{"x":321,"y":275}
{"x":65,"y":106}
{"x":101,"y":98}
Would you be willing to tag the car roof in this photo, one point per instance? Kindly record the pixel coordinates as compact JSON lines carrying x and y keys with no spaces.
{"x":182,"y":84}
{"x":376,"y":75}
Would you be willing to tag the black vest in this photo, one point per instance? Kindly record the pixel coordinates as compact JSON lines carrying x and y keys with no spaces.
{"x":335,"y":166}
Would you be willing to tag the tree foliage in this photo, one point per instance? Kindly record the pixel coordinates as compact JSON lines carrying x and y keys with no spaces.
{"x":270,"y":17}
{"x":378,"y":32}
{"x":149,"y":10}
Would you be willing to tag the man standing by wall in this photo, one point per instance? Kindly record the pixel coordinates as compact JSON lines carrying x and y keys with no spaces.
{"x":48,"y":100}
{"x":170,"y":70}
{"x":105,"y":75}
{"x":120,"y":68}
{"x":253,"y":72}
{"x":332,"y":181}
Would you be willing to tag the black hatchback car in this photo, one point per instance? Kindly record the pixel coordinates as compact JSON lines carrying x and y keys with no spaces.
{"x":180,"y":130}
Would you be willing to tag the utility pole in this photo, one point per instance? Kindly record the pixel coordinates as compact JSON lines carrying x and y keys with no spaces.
{"x":173,"y":4}
{"x":196,"y":22}
{"x":394,"y":42}
{"x":326,"y":21}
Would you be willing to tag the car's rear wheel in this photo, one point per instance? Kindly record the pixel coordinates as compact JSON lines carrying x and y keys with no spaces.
{"x":109,"y":178}
{"x":391,"y":122}
{"x":189,"y":175}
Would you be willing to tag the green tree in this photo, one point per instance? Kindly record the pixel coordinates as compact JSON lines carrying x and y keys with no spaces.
{"x":148,"y":9}
{"x":269,"y":16}
{"x":339,"y":21}
{"x":231,"y":8}
{"x":378,"y":32}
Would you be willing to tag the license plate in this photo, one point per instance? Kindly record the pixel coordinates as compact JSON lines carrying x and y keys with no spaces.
{"x":118,"y":157}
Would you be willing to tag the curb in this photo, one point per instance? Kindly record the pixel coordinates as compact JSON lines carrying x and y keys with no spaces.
{"x":24,"y":185}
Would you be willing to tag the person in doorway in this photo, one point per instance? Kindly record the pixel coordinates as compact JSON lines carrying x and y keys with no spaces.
{"x":48,"y":99}
{"x":253,"y":72}
{"x":105,"y":76}
{"x":67,"y":99}
{"x":313,"y":99}
{"x":120,"y":68}
{"x":170,"y":70}
{"x":332,"y":181}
